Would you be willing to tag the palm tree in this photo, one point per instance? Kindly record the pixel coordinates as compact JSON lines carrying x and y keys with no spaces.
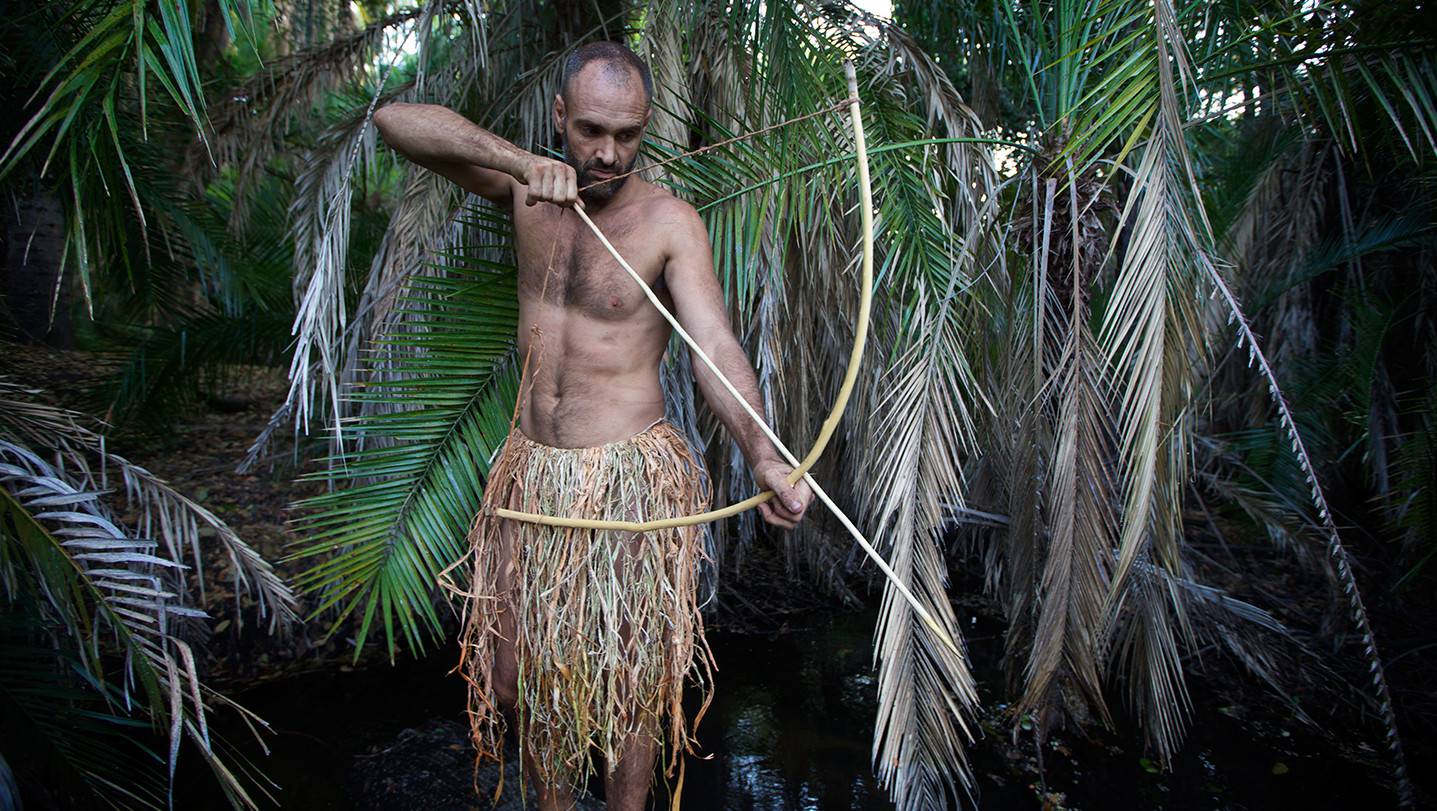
{"x":1133,"y":224}
{"x":103,"y":563}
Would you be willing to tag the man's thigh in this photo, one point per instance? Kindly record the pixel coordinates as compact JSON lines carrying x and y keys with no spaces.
{"x":505,"y":677}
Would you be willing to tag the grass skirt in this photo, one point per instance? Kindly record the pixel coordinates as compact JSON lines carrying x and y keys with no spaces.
{"x":607,"y":623}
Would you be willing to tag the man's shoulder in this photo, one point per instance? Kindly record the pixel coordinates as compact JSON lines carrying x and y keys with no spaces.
{"x":660,"y":203}
{"x":660,"y":209}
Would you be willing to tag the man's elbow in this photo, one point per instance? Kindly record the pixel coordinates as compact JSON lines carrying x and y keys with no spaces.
{"x":384,"y":119}
{"x":388,"y":118}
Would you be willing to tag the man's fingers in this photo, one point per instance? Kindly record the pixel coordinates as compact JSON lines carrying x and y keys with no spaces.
{"x":772,"y":516}
{"x":788,"y":497}
{"x":571,"y":186}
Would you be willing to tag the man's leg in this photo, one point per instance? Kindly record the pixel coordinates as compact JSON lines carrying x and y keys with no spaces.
{"x":626,"y":785}
{"x":626,"y":788}
{"x":506,"y":683}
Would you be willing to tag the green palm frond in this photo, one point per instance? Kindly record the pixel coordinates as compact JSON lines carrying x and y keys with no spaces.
{"x":116,"y":55}
{"x":412,"y":485}
{"x":171,"y":342}
{"x":253,"y":119}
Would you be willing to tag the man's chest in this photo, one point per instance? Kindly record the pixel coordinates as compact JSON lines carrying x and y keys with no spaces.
{"x":562,"y":262}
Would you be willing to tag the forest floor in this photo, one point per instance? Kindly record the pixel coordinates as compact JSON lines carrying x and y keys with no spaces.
{"x":199,"y":453}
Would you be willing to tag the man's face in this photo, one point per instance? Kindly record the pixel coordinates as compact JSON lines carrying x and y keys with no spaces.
{"x":602,"y":122}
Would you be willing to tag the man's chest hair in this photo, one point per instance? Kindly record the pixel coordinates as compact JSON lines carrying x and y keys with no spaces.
{"x":584,"y":276}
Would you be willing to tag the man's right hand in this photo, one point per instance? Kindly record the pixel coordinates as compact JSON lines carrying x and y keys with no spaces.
{"x":550,"y":181}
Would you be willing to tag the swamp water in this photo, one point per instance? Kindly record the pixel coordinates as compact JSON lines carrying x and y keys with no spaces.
{"x":790,"y":728}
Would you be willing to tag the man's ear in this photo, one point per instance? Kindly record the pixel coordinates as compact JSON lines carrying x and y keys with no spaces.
{"x":559,"y":113}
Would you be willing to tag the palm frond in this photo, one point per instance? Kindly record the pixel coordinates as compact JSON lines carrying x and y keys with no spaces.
{"x":70,"y":737}
{"x":1337,"y":551}
{"x":252,"y":120}
{"x":123,"y":49}
{"x":927,"y":696}
{"x":1075,"y":580}
{"x":163,"y":513}
{"x":407,"y":494}
{"x":100,"y":581}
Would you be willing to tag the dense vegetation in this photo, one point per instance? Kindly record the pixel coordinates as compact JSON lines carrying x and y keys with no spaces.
{"x":1153,"y":311}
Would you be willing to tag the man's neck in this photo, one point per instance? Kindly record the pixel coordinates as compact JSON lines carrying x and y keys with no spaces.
{"x":623,"y":195}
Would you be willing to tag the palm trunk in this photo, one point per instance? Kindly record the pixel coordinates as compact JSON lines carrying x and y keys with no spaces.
{"x":34,"y":243}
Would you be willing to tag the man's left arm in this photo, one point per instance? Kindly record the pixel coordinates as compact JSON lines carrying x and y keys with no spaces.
{"x":699,"y":306}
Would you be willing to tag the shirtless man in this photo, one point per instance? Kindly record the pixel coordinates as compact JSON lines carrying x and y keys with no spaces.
{"x":598,"y":382}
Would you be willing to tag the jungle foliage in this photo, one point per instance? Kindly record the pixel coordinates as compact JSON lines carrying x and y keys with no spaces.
{"x":1154,"y":294}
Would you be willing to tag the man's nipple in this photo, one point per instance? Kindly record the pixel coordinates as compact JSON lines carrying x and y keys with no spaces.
{"x":614,"y":301}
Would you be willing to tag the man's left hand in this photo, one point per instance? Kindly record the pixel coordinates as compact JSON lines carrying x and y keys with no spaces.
{"x":788,"y":504}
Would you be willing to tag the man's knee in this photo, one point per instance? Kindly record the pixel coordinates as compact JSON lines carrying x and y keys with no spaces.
{"x":504,"y":680}
{"x":507,"y":696}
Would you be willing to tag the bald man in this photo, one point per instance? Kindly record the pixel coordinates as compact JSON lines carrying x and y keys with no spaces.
{"x":581,"y":640}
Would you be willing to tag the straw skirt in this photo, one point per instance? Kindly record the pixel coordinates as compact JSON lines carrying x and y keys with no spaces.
{"x":605,"y":625}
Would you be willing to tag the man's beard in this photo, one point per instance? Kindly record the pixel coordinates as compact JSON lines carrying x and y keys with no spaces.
{"x":604,"y":192}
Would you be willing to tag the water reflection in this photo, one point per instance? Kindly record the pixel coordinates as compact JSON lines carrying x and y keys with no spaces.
{"x":791,"y":721}
{"x":790,"y":728}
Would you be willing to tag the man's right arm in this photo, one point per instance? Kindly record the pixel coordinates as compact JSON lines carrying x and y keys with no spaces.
{"x":451,"y":145}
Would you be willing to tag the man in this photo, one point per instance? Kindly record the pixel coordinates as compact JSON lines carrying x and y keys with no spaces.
{"x":584,"y":638}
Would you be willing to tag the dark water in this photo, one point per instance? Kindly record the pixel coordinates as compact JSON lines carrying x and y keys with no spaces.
{"x":790,"y":728}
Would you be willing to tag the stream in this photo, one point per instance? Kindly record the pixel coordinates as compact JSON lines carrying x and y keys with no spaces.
{"x":790,"y":728}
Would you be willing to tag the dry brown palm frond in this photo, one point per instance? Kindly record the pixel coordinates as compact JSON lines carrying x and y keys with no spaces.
{"x":320,"y":224}
{"x":927,"y":697}
{"x":662,"y":47}
{"x":1060,"y":557}
{"x":320,"y":215}
{"x":1271,"y":239}
{"x":1147,"y":648}
{"x":1253,"y":637}
{"x":423,"y":225}
{"x":1074,"y":583}
{"x":1336,"y":550}
{"x":1146,"y":331}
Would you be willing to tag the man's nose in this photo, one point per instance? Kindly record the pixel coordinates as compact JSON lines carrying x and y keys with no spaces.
{"x":605,"y":152}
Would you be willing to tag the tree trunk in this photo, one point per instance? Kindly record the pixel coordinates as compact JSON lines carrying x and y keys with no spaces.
{"x":34,"y":242}
{"x":210,"y":37}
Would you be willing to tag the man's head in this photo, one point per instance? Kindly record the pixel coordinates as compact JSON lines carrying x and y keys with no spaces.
{"x":601,"y":111}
